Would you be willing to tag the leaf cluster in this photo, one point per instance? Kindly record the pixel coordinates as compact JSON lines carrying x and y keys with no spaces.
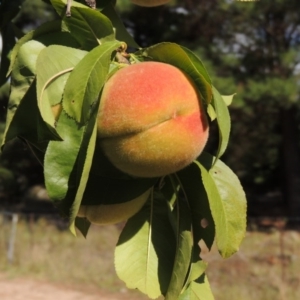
{"x":57,"y":74}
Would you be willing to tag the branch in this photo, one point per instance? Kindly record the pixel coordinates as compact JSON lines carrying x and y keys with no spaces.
{"x":68,"y":11}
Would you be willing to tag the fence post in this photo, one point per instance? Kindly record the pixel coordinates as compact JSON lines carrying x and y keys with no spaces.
{"x":12,"y":237}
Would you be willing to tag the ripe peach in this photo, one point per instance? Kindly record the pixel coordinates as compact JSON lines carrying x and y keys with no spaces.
{"x":113,"y":213}
{"x":149,"y":3}
{"x":151,"y":120}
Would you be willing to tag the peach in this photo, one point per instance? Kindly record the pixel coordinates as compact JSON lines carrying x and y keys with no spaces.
{"x":113,"y":213}
{"x":151,"y":120}
{"x":149,"y":3}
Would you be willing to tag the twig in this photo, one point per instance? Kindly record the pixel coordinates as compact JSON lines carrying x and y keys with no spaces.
{"x":122,"y":56}
{"x":68,"y":11}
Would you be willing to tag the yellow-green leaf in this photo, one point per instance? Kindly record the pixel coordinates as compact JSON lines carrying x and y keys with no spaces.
{"x":84,"y":84}
{"x":227,"y":202}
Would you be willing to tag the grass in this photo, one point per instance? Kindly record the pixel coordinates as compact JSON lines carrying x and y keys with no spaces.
{"x":44,"y":252}
{"x":266,"y":267}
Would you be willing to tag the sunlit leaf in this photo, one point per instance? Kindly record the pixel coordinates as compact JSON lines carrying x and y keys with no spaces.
{"x":223,"y":119}
{"x":227,"y":203}
{"x":228,"y":99}
{"x":198,"y":267}
{"x":198,"y":290}
{"x":86,"y":81}
{"x":144,"y":255}
{"x":54,"y":65}
{"x":211,"y":112}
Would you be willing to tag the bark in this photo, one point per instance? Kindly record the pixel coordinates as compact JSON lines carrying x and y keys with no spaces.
{"x":291,"y":162}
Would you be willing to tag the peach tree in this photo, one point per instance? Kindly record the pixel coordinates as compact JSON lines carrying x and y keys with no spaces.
{"x":120,"y":135}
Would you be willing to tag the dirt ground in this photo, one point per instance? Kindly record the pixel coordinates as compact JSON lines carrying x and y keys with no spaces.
{"x":25,"y":288}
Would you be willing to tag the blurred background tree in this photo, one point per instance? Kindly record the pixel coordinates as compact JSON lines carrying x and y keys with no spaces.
{"x":249,"y":48}
{"x":19,"y":170}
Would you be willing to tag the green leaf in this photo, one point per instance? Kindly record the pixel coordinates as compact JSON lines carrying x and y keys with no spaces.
{"x":185,"y":60}
{"x":227,"y":203}
{"x":23,"y":72}
{"x":228,"y":99}
{"x":78,"y":176}
{"x":16,"y":50}
{"x":211,"y":112}
{"x":198,"y":64}
{"x":198,"y":290}
{"x":198,"y":267}
{"x":89,"y":27}
{"x":223,"y":119}
{"x":23,"y":61}
{"x":54,"y":65}
{"x":121,"y":32}
{"x":88,"y":78}
{"x":22,"y":76}
{"x":183,"y":249}
{"x":60,"y":158}
{"x":144,"y":255}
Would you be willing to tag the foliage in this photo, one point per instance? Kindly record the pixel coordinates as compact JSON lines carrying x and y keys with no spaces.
{"x":67,"y":62}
